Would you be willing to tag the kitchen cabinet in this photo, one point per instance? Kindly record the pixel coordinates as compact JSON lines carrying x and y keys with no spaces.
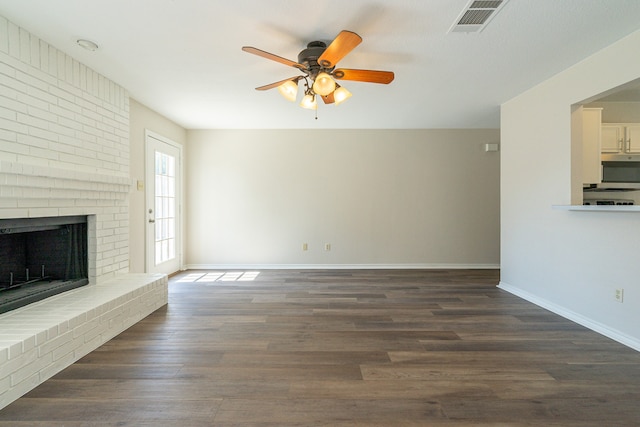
{"x":621,"y":138}
{"x":591,"y":140}
{"x":633,"y":138}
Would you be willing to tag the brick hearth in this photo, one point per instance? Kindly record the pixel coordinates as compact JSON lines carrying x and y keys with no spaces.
{"x":41,"y":339}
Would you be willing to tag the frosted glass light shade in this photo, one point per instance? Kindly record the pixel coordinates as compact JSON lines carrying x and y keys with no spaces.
{"x":341,"y":95}
{"x":289,"y":90}
{"x":309,"y":102}
{"x":324,"y":84}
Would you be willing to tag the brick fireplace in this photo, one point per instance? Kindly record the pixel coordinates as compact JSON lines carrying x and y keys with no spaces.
{"x":64,"y":151}
{"x":41,"y":257}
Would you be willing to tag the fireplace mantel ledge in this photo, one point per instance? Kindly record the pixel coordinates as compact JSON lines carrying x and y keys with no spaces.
{"x":41,"y":339}
{"x":11,"y":168}
{"x":45,"y":182}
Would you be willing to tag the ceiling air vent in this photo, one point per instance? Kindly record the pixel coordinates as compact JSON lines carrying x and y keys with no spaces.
{"x":476,"y":16}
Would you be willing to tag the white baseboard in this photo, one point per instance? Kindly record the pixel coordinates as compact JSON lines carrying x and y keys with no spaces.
{"x":340,"y":266}
{"x":574,"y":317}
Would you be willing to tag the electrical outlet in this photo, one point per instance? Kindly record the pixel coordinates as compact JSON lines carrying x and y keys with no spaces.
{"x":305,"y":247}
{"x":619,"y":295}
{"x":327,"y":246}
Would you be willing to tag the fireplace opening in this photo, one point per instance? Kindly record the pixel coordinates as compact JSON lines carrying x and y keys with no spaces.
{"x":41,"y":257}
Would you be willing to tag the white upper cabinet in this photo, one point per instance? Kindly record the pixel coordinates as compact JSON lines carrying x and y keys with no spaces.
{"x":633,"y":138}
{"x":612,"y":138}
{"x":621,"y":138}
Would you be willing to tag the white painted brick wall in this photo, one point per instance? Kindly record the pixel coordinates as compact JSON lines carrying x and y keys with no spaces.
{"x":64,"y":150}
{"x":64,"y":144}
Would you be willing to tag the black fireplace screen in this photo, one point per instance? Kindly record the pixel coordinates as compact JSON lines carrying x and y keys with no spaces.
{"x":41,"y":257}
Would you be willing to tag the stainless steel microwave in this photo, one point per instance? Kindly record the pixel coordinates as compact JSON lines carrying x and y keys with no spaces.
{"x":620,"y":171}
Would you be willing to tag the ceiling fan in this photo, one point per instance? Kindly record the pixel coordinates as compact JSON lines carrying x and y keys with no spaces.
{"x":318,"y":66}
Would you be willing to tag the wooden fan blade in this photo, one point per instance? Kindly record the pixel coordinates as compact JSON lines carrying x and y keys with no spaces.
{"x":339,"y":48}
{"x":276,"y":84}
{"x":370,"y":76}
{"x":272,"y":57}
{"x":329,"y":99}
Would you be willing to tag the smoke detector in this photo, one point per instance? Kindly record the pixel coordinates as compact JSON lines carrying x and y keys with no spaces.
{"x":476,"y":15}
{"x":87,"y":44}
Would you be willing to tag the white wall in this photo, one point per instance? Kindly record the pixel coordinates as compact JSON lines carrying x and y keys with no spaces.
{"x":141,"y":119}
{"x":570,"y":262}
{"x":618,"y":112}
{"x":420,"y":198}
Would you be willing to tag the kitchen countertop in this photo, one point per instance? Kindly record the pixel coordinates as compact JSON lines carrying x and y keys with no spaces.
{"x":598,"y":208}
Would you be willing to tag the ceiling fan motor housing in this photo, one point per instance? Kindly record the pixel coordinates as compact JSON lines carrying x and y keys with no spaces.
{"x":309,"y":57}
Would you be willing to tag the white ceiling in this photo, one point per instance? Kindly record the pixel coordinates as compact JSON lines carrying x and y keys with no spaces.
{"x":183,"y":58}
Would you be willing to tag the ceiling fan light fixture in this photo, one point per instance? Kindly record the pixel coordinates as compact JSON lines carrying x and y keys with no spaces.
{"x":341,"y":94}
{"x":289,"y":89}
{"x":309,"y":102}
{"x":317,"y":64}
{"x":323,"y":84}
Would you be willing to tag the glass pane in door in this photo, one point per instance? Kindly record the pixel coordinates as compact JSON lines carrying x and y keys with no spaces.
{"x":165,"y":194}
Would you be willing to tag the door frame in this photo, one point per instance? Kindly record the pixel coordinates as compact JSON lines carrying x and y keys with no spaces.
{"x":148,"y":135}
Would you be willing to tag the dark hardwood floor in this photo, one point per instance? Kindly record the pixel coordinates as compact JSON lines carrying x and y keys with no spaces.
{"x":344,"y":348}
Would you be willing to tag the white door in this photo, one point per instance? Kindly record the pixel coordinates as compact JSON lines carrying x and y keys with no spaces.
{"x":163,"y":205}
